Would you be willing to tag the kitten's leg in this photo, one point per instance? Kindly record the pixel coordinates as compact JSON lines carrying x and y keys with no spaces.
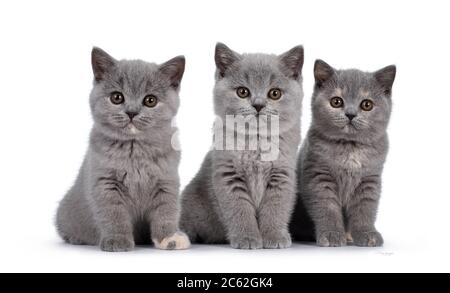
{"x":238,"y":210}
{"x":74,"y":219}
{"x":325,"y":209}
{"x":275,"y":209}
{"x":189,"y":214}
{"x":112,"y":216}
{"x":163,"y":217}
{"x":199,"y":218}
{"x":361,"y":213}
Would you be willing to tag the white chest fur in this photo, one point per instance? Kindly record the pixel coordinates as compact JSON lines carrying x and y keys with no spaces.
{"x":353,"y":160}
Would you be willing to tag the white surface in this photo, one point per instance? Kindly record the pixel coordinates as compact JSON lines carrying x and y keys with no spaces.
{"x":45,"y":79}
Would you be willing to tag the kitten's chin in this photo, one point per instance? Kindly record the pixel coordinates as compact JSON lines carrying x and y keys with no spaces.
{"x":119,"y":132}
{"x":132,"y":129}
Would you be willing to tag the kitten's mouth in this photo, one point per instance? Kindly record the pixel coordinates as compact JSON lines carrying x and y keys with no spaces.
{"x":132,"y":128}
{"x":349,"y":127}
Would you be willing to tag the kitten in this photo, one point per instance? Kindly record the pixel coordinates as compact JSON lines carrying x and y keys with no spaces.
{"x":126,"y":191}
{"x":238,"y":196}
{"x":342,"y":157}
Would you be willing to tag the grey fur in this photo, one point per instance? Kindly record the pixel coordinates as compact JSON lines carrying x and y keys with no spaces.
{"x":236,"y":197}
{"x":341,"y":160}
{"x":126,"y":191}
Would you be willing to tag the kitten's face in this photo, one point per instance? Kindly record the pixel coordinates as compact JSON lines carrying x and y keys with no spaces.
{"x":132,"y":98}
{"x":351,"y":104}
{"x":258,"y":84}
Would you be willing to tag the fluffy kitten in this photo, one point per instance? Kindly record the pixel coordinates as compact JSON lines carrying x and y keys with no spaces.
{"x":237,"y":196}
{"x":342,"y":157}
{"x":126,"y":191}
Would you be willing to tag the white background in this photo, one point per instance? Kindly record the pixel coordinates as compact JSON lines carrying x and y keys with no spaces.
{"x":45,"y":79}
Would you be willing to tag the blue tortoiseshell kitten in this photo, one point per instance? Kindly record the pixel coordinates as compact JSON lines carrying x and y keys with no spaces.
{"x":341,"y":160}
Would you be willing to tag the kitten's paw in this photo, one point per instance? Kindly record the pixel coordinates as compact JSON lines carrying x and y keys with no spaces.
{"x":367,"y":239}
{"x":246,"y":242}
{"x":332,"y":239}
{"x":116,"y":243}
{"x":278,"y":240}
{"x":179,"y":240}
{"x":72,"y":240}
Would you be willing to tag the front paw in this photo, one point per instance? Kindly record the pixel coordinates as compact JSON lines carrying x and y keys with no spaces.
{"x":116,"y":243}
{"x":246,"y":242}
{"x":367,"y":239}
{"x":332,"y":239}
{"x":277,"y":240}
{"x":177,"y":241}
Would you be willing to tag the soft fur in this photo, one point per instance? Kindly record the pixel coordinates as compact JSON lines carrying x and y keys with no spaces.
{"x":341,"y":160}
{"x":126,"y":191}
{"x":237,"y":197}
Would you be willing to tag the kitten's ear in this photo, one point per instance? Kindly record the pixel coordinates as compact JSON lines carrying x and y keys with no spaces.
{"x":322,"y":72}
{"x":386,"y":77}
{"x":292,"y":62}
{"x":174,"y":70}
{"x":102,"y":63}
{"x":224,"y":57}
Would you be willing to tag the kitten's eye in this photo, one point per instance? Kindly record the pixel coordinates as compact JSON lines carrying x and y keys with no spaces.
{"x":150,"y":101}
{"x":367,"y":105}
{"x":274,"y":94}
{"x":336,"y":102}
{"x":243,"y":92}
{"x":116,"y":98}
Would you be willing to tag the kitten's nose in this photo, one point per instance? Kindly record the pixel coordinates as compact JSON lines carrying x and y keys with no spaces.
{"x":131,"y":114}
{"x":350,"y":116}
{"x":258,"y":107}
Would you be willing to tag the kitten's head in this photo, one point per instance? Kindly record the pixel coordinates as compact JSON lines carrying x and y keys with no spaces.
{"x":253,"y":84}
{"x":351,"y":104}
{"x":131,"y":98}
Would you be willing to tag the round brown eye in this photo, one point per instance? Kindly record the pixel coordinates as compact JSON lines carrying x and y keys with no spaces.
{"x":336,"y":102}
{"x":367,"y":105}
{"x":116,"y":98}
{"x":275,"y":94}
{"x":150,"y":101}
{"x":243,"y":92}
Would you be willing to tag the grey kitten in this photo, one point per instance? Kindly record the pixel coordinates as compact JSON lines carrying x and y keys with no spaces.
{"x":126,"y":191}
{"x":341,"y":160}
{"x":238,"y":197}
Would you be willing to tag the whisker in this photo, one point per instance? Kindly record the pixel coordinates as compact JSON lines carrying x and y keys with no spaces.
{"x":145,"y":119}
{"x":272,"y":112}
